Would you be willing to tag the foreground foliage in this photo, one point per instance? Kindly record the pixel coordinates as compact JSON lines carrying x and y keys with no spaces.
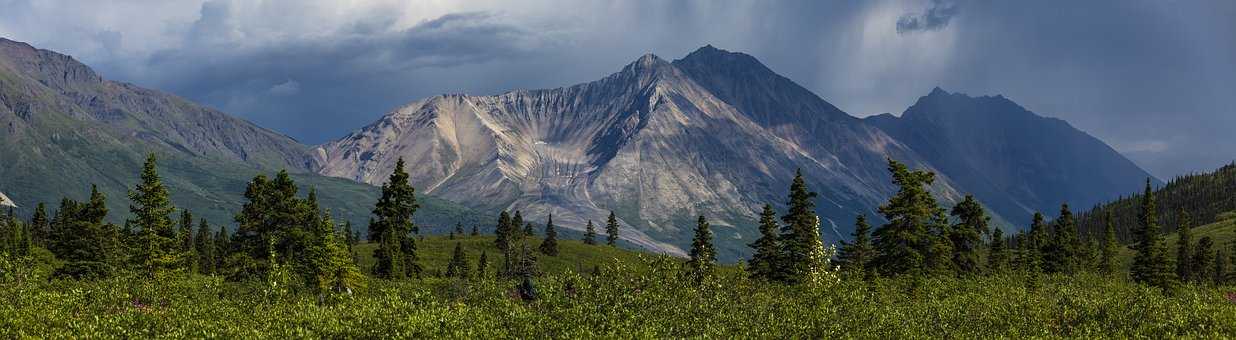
{"x":614,"y":303}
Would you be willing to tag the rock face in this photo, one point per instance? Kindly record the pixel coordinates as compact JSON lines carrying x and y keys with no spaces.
{"x":659,"y":143}
{"x":1013,"y":160}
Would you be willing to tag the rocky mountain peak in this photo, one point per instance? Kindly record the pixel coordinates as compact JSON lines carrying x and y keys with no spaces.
{"x":50,"y":68}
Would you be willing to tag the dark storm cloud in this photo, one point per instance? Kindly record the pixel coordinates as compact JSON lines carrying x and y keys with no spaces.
{"x":936,"y":17}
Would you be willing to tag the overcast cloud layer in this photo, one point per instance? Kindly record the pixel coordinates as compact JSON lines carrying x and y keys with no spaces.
{"x":1154,"y":79}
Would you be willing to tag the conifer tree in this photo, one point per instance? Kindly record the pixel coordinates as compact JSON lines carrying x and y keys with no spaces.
{"x":184,"y":237}
{"x":1063,"y":251}
{"x":611,"y":229}
{"x":396,"y":253}
{"x":40,"y":226}
{"x":204,"y":247}
{"x":997,"y":252}
{"x":1202,"y":264}
{"x":458,"y":266}
{"x":797,"y":236}
{"x":550,"y":245}
{"x":590,"y":234}
{"x":904,"y":244}
{"x":967,"y":234}
{"x":1107,"y":256}
{"x":152,"y":209}
{"x":767,"y":250}
{"x":476,"y":231}
{"x":1184,"y":248}
{"x":1220,"y":271}
{"x":1150,"y":265}
{"x":330,"y":266}
{"x":516,"y":233}
{"x":503,"y":232}
{"x":528,"y":230}
{"x":855,"y":257}
{"x":349,"y":235}
{"x":222,"y":249}
{"x":1038,"y":238}
{"x":79,"y":237}
{"x":481,"y":264}
{"x":703,"y":256}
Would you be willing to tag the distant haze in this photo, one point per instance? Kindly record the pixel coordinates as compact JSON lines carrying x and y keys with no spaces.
{"x":1153,"y":79}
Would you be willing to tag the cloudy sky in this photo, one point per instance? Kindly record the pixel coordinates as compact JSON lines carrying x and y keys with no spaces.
{"x":1155,"y":79}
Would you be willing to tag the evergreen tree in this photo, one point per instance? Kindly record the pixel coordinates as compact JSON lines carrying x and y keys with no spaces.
{"x":550,"y":245}
{"x":482,"y":264}
{"x":904,"y":244}
{"x":331,"y":267}
{"x":1107,"y":260}
{"x":590,"y":234}
{"x":349,"y":235}
{"x":855,"y":257}
{"x":458,"y":266}
{"x":764,"y":262}
{"x":396,"y":253}
{"x":1184,"y":248}
{"x":703,"y":256}
{"x":476,"y":231}
{"x":79,"y":237}
{"x":152,"y":209}
{"x":528,"y":231}
{"x":1063,"y":251}
{"x":1150,"y":265}
{"x":222,"y":250}
{"x":40,"y":226}
{"x":516,"y":234}
{"x":204,"y":247}
{"x":1038,"y":240}
{"x":997,"y":252}
{"x":1220,"y":271}
{"x":184,"y":237}
{"x":967,"y":234}
{"x":611,"y":229}
{"x":1202,"y":264}
{"x":797,"y":236}
{"x":503,"y":232}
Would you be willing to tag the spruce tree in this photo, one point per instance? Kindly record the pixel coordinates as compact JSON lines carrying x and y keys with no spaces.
{"x":1220,"y":271}
{"x":152,"y":209}
{"x":1063,"y":251}
{"x":79,"y":237}
{"x":611,"y":229}
{"x":703,"y":256}
{"x":550,"y":245}
{"x":40,"y":226}
{"x":1201,"y":265}
{"x":967,"y":234}
{"x":1107,"y":256}
{"x":222,"y":250}
{"x":855,"y":257}
{"x":331,"y":267}
{"x":516,"y":233}
{"x":767,"y":250}
{"x":905,"y":243}
{"x":184,"y":238}
{"x":396,"y":253}
{"x":1184,"y":248}
{"x":204,"y":247}
{"x":1150,"y":265}
{"x":481,"y":264}
{"x":997,"y":252}
{"x":458,"y":266}
{"x":590,"y":234}
{"x":528,"y":230}
{"x":1038,"y":240}
{"x":476,"y":231}
{"x":503,"y":232}
{"x":797,"y":232}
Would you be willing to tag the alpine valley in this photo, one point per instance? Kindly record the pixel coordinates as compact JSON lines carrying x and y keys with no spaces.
{"x":660,"y":142}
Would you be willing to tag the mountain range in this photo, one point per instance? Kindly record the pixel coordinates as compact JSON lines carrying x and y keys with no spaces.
{"x":659,"y":142}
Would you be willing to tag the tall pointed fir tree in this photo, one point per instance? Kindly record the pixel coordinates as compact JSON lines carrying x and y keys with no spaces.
{"x":502,"y":232}
{"x":481,"y":264}
{"x":152,"y":208}
{"x":79,"y":237}
{"x":1201,"y":264}
{"x":590,"y":234}
{"x":184,"y":240}
{"x":1150,"y":265}
{"x":796,"y":232}
{"x":396,"y":253}
{"x":1037,"y":241}
{"x":1063,"y":251}
{"x":703,"y":255}
{"x":458,"y":266}
{"x":1109,"y":246}
{"x":967,"y":235}
{"x":549,"y":246}
{"x":222,"y":250}
{"x":204,"y":248}
{"x":331,"y":267}
{"x":767,"y":249}
{"x":906,"y":244}
{"x":1184,"y":248}
{"x":516,"y":233}
{"x":528,"y":230}
{"x":998,"y":252}
{"x":40,"y":226}
{"x":855,"y":257}
{"x":611,"y":229}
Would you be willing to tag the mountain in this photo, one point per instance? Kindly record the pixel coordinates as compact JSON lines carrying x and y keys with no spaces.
{"x":1206,"y":197}
{"x":65,"y":128}
{"x":659,"y":143}
{"x":1013,"y":160}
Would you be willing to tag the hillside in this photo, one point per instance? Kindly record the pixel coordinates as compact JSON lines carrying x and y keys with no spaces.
{"x":66,"y":128}
{"x":1204,"y":196}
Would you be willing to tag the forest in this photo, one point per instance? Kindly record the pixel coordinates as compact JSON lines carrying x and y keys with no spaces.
{"x":288,"y":270}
